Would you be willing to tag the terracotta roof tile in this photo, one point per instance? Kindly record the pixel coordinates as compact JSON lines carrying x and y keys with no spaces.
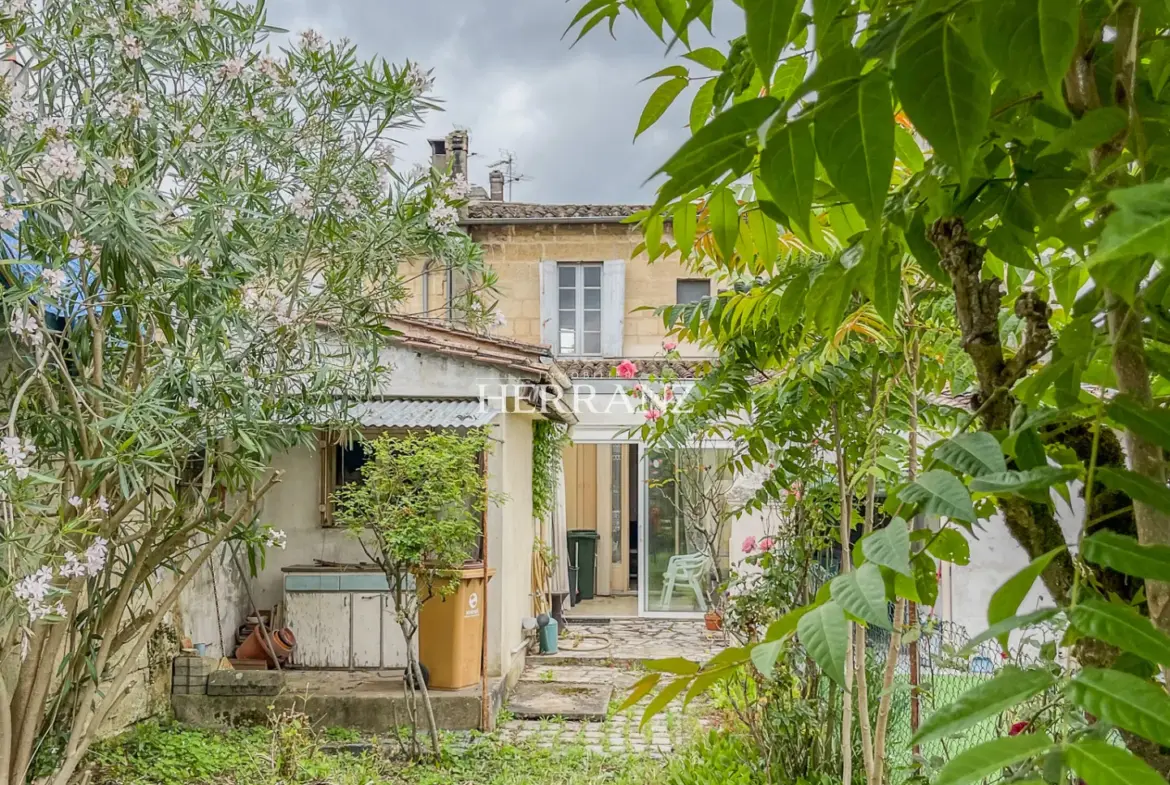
{"x":505,"y":211}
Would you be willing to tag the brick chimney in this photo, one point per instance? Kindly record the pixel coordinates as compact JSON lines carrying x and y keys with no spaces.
{"x":457,"y":143}
{"x":496,"y":185}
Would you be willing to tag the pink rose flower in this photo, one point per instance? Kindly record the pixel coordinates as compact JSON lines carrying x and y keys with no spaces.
{"x":766,"y":544}
{"x":669,"y":346}
{"x":653,"y":414}
{"x":637,"y":388}
{"x":749,"y":544}
{"x":627,"y":370}
{"x":668,"y":393}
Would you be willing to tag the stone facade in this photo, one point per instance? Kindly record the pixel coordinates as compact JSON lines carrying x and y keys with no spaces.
{"x":515,"y":250}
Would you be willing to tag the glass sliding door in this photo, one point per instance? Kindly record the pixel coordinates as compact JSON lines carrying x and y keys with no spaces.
{"x":686,"y":528}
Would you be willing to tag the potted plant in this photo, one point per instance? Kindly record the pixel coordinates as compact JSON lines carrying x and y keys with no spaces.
{"x":417,"y":513}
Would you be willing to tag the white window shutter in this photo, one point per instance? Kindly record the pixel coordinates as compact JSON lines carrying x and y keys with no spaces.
{"x":613,"y":307}
{"x":548,"y":304}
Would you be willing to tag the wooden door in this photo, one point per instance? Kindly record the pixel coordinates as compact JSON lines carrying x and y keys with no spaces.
{"x":367,"y":630}
{"x":321,"y":621}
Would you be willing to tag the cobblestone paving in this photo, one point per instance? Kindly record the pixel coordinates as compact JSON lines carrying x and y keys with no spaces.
{"x":629,"y":642}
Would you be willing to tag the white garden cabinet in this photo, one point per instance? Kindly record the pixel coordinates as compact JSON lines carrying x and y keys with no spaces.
{"x":343,"y":618}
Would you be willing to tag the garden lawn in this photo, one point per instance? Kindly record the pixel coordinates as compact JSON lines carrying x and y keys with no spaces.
{"x":153,"y":754}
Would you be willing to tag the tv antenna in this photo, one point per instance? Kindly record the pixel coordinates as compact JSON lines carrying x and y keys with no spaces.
{"x":511,"y":176}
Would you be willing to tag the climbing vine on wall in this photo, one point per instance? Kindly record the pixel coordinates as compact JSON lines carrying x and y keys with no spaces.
{"x":549,"y":440}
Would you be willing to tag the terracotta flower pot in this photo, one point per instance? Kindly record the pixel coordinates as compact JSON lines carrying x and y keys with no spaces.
{"x":714,"y":620}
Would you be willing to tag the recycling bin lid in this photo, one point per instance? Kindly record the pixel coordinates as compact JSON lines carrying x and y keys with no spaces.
{"x":583,"y":534}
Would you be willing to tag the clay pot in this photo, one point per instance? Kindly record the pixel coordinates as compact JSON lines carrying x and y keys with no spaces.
{"x":714,"y":620}
{"x":280,"y":641}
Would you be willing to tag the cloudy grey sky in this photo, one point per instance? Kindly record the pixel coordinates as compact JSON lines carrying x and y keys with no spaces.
{"x":505,"y":74}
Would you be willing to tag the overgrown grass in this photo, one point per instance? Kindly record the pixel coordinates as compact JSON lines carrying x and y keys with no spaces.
{"x":154,"y":754}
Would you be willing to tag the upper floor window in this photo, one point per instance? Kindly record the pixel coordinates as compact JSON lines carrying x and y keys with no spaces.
{"x":579,"y":308}
{"x":691,"y":290}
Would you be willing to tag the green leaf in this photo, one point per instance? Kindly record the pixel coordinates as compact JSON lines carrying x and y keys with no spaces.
{"x":951,"y":546}
{"x":705,"y":680}
{"x":889,"y":546}
{"x":1010,"y":687}
{"x":1002,"y":628}
{"x":1031,"y":42}
{"x":678,"y":666}
{"x":786,"y":624}
{"x":854,"y":138}
{"x":862,"y":593}
{"x":940,"y":493}
{"x":1152,"y":424}
{"x":1038,"y":479}
{"x":724,"y":216}
{"x":1094,"y":128}
{"x":708,"y":56}
{"x":909,"y":153}
{"x":824,"y":633}
{"x":946,"y":90}
{"x":764,"y":656}
{"x":1005,"y":603}
{"x":1122,"y":627}
{"x":768,"y":24}
{"x":1100,"y":763}
{"x":825,"y":12}
{"x":788,"y":169}
{"x":684,"y":224}
{"x":641,"y":689}
{"x":664,"y":697}
{"x":975,"y":454}
{"x":701,"y":105}
{"x":727,"y":142}
{"x":1127,"y":556}
{"x":1124,"y":701}
{"x":1136,"y":486}
{"x":975,"y":764}
{"x":660,"y":100}
{"x":650,"y":15}
{"x":1139,"y":226}
{"x":887,"y":280}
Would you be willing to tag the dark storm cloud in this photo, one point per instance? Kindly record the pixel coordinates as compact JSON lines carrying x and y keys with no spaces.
{"x":505,"y":74}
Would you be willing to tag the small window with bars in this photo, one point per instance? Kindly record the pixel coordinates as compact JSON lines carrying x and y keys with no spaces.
{"x":579,"y":308}
{"x":691,"y":290}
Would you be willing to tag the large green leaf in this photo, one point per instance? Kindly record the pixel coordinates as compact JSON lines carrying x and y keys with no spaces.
{"x":788,"y":169}
{"x":862,"y":592}
{"x":975,"y":454}
{"x":1122,"y":627}
{"x":854,"y":137}
{"x":1136,"y":486}
{"x":950,"y":545}
{"x":664,"y":697}
{"x":764,"y":656}
{"x":1009,"y":688}
{"x":1007,"y":598}
{"x":1137,"y":229}
{"x":890,"y":547}
{"x":1002,"y":628}
{"x":1125,"y":701}
{"x":975,"y":764}
{"x":659,"y":101}
{"x":1100,"y":763}
{"x":768,"y":24}
{"x":1031,"y":42}
{"x":678,"y":666}
{"x":1152,"y":424}
{"x":940,"y":493}
{"x":945,"y":88}
{"x":726,"y":143}
{"x":786,"y":624}
{"x":824,"y":632}
{"x":723,"y":212}
{"x":685,"y":226}
{"x":1126,"y":555}
{"x":644,"y":687}
{"x":1037,"y":479}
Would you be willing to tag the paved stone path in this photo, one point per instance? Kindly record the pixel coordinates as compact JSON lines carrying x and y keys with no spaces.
{"x":612,"y":653}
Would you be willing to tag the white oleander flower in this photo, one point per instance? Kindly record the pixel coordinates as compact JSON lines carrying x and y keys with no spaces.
{"x":62,"y":161}
{"x":10,"y":219}
{"x":311,"y":40}
{"x":103,"y":504}
{"x":419,"y":80}
{"x":233,"y":68}
{"x":25,"y":327}
{"x":442,"y":218}
{"x":54,"y":281}
{"x":302,"y":204}
{"x":130,"y":47}
{"x":33,"y":590}
{"x":200,"y":13}
{"x":275,"y":538}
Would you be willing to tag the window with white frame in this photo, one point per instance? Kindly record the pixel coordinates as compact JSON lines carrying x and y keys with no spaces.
{"x":579,"y":308}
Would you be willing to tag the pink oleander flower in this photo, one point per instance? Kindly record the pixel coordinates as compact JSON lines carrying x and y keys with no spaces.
{"x":749,"y":544}
{"x":637,"y":388}
{"x":627,"y":370}
{"x":669,"y":346}
{"x":668,"y":393}
{"x":653,"y":414}
{"x":766,"y":544}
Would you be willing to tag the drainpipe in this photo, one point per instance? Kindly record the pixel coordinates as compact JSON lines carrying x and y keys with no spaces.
{"x":484,"y":700}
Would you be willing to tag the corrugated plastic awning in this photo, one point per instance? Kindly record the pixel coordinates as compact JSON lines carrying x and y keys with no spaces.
{"x":423,"y":413}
